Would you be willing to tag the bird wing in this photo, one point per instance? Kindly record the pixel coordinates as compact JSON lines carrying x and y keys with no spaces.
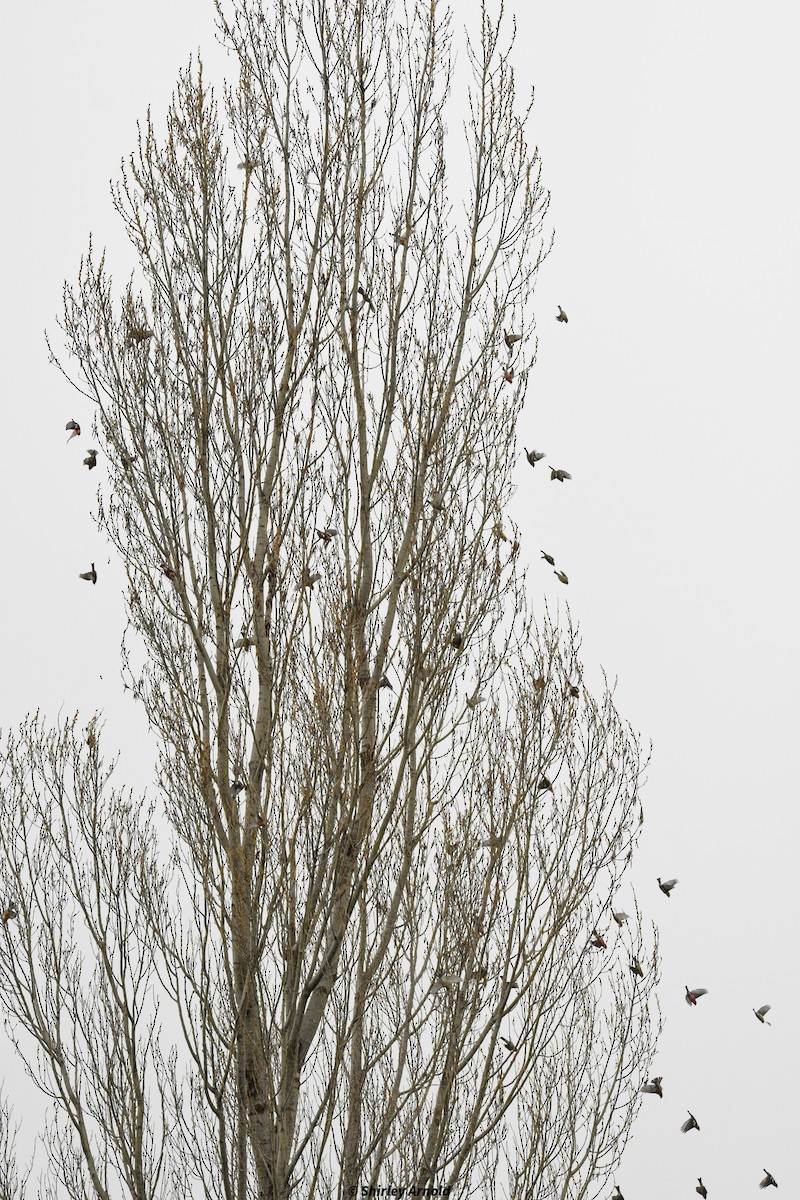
{"x":699,"y":991}
{"x":670,"y":883}
{"x":765,"y":1008}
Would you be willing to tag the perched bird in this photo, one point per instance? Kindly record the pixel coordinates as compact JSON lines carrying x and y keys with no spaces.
{"x":548,"y":558}
{"x":620,"y":917}
{"x":559,"y":474}
{"x":437,"y":501}
{"x":762,"y":1012}
{"x":654,"y":1088}
{"x":544,"y":784}
{"x":533,"y":456}
{"x":667,"y":886}
{"x":500,"y":533}
{"x":561,"y":576}
{"x":326,"y":535}
{"x":457,"y":640}
{"x":237,"y":786}
{"x":636,"y":968}
{"x":9,"y":913}
{"x":511,"y":339}
{"x":768,"y":1180}
{"x":168,"y":571}
{"x":89,"y":576}
{"x":91,"y":459}
{"x":365,"y":296}
{"x":508,"y":375}
{"x":76,"y":429}
{"x":690,"y":1124}
{"x":598,"y":941}
{"x":574,"y":690}
{"x":510,"y":1046}
{"x":562,"y":316}
{"x":694,"y":994}
{"x":701,"y":1189}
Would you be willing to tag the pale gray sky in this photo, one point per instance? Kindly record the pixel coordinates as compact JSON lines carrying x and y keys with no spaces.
{"x":668,"y":135}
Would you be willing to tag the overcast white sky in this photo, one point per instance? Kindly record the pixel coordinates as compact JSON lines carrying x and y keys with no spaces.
{"x":669,"y":140}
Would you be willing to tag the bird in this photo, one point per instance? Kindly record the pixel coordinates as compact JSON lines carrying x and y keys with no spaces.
{"x":76,"y":429}
{"x":9,"y":913}
{"x":559,"y":474}
{"x":445,"y":981}
{"x":508,"y":375}
{"x":654,"y":1088}
{"x":636,"y":968}
{"x":249,"y":164}
{"x":539,"y":683}
{"x":308,"y":579}
{"x":544,"y":784}
{"x":326,"y":535}
{"x":89,"y":576}
{"x":533,"y":456}
{"x":762,"y":1012}
{"x":617,"y":1193}
{"x":548,"y":558}
{"x":385,"y":682}
{"x":137,"y":334}
{"x":457,"y":640}
{"x":598,"y":941}
{"x":244,"y":643}
{"x":694,"y":994}
{"x":620,"y":917}
{"x":690,"y":1124}
{"x":667,"y":886}
{"x":768,"y":1180}
{"x":511,"y":339}
{"x":574,"y":690}
{"x":91,"y":459}
{"x":475,"y":700}
{"x":437,"y":501}
{"x":168,"y":571}
{"x":401,"y":239}
{"x":365,"y":296}
{"x":511,"y":1047}
{"x":237,"y":786}
{"x":701,"y":1189}
{"x":561,"y":315}
{"x":561,"y":576}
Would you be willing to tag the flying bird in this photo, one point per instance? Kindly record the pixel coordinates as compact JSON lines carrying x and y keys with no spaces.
{"x":168,"y":571}
{"x":89,"y":576}
{"x":653,"y":1088}
{"x":561,"y":315}
{"x":533,"y":456}
{"x":701,"y":1189}
{"x":308,"y":579}
{"x":690,"y":1124}
{"x":762,"y":1012}
{"x":511,"y":1047}
{"x":636,"y":968}
{"x":76,"y":429}
{"x":694,"y":994}
{"x":249,"y":164}
{"x":137,"y":334}
{"x":457,"y":640}
{"x":508,"y":375}
{"x":559,"y":474}
{"x":326,"y":535}
{"x":91,"y":459}
{"x":574,"y":690}
{"x":475,"y":700}
{"x":544,"y":784}
{"x":598,"y":941}
{"x":237,"y":786}
{"x":768,"y":1180}
{"x":244,"y":643}
{"x":620,"y":917}
{"x":9,"y":913}
{"x":548,"y":558}
{"x":667,"y":886}
{"x":511,"y":339}
{"x":561,"y":576}
{"x":445,"y":981}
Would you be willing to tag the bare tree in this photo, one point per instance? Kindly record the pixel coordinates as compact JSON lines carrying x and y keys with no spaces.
{"x":358,"y":941}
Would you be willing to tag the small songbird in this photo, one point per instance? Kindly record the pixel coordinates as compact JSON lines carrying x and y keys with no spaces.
{"x":326,"y":535}
{"x":457,"y":640}
{"x":561,"y":576}
{"x":401,"y":239}
{"x":385,"y":682}
{"x":244,"y":643}
{"x":511,"y":339}
{"x":539,"y":683}
{"x":168,"y":571}
{"x":437,"y":501}
{"x":533,"y":456}
{"x":559,"y":474}
{"x":768,"y":1180}
{"x":548,"y":558}
{"x":91,"y":459}
{"x":598,"y":941}
{"x":654,"y":1087}
{"x":562,"y":316}
{"x":500,"y":533}
{"x":544,"y":784}
{"x":308,"y":579}
{"x":620,"y":918}
{"x":237,"y":786}
{"x":694,"y":994}
{"x":76,"y":429}
{"x":89,"y":576}
{"x":574,"y":690}
{"x":636,"y":968}
{"x":445,"y":981}
{"x":475,"y":700}
{"x":508,"y":375}
{"x":762,"y":1012}
{"x":9,"y":913}
{"x":249,"y":164}
{"x":690,"y":1124}
{"x":667,"y":886}
{"x":511,"y":1047}
{"x":701,"y":1189}
{"x":365,"y":296}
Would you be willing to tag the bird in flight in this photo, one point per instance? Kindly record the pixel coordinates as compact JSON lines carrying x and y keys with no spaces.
{"x":690,"y":1124}
{"x":620,"y":917}
{"x":654,"y":1088}
{"x":768,"y":1180}
{"x":694,"y":994}
{"x":533,"y":456}
{"x":561,"y":576}
{"x":168,"y":571}
{"x":91,"y":459}
{"x":76,"y":429}
{"x":598,"y":941}
{"x":511,"y":1047}
{"x":561,"y":315}
{"x":508,"y":375}
{"x":326,"y":535}
{"x":560,"y":475}
{"x":701,"y":1189}
{"x":762,"y":1012}
{"x":9,"y":913}
{"x":667,"y":886}
{"x":548,"y":558}
{"x":89,"y":576}
{"x":511,"y":339}
{"x":544,"y":784}
{"x":457,"y":640}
